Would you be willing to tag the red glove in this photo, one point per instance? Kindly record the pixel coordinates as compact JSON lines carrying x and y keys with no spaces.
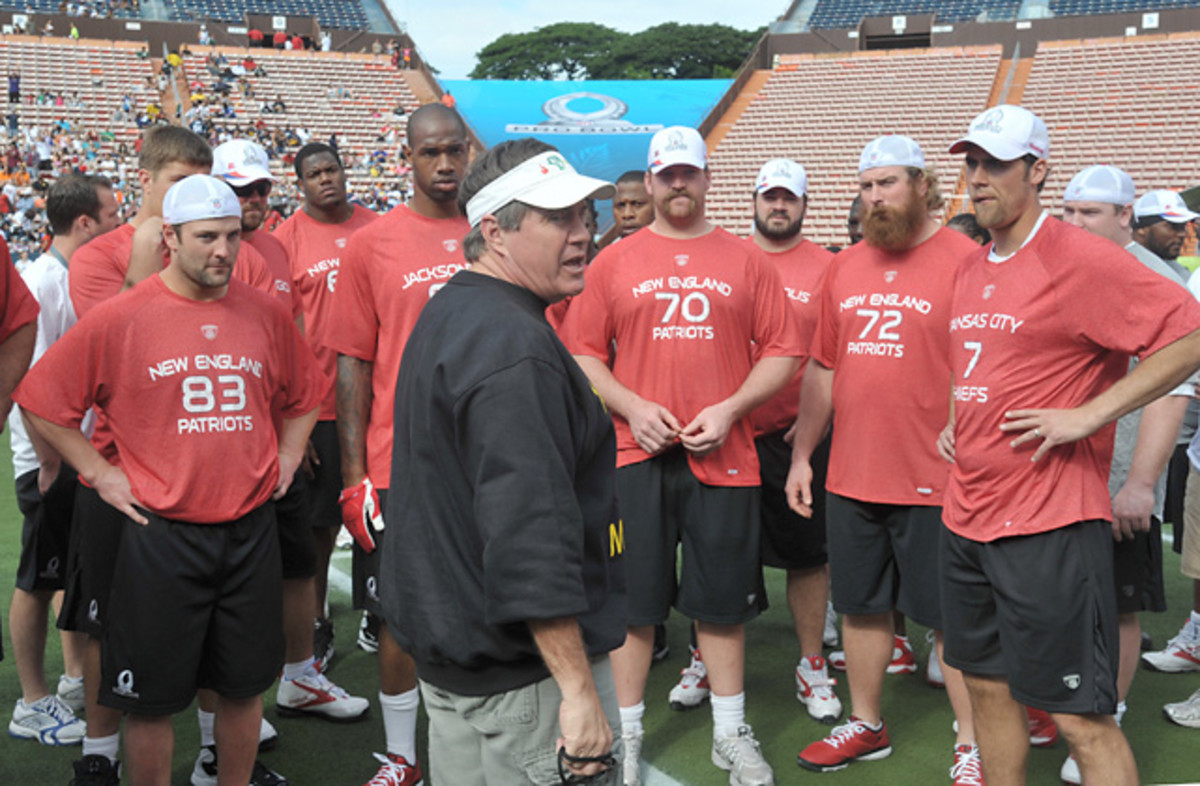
{"x":361,"y":514}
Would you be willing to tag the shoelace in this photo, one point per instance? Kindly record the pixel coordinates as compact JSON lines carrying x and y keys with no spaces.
{"x":816,"y":680}
{"x":734,"y":750}
{"x":394,"y":772}
{"x":968,"y":768}
{"x":845,"y":733}
{"x":326,"y":685}
{"x":692,"y":671}
{"x":56,"y":709}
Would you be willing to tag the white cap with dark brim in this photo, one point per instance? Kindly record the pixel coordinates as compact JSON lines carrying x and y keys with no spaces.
{"x":546,"y":181}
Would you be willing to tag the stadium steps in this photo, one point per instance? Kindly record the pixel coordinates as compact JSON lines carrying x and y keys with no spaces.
{"x":424,"y":90}
{"x":749,"y":93}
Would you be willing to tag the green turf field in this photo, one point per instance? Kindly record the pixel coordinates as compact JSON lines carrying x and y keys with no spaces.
{"x":315,"y":753}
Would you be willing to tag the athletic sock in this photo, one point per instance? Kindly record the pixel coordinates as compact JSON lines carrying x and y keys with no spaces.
{"x":631,"y":718}
{"x":400,"y":723}
{"x":1121,"y":708}
{"x":72,"y":682}
{"x":729,"y":714}
{"x":871,"y":726}
{"x":293,"y":670}
{"x":108,"y":747}
{"x":206,"y":727}
{"x":1196,"y":618}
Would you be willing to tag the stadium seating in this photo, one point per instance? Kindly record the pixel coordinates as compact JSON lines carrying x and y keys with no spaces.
{"x":307,"y":81}
{"x":101,"y":72}
{"x":1127,"y":102}
{"x":1082,"y":7}
{"x":330,"y":13}
{"x":822,"y":109}
{"x":836,"y":14}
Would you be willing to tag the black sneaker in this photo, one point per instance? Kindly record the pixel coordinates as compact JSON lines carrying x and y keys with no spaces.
{"x":661,"y":649}
{"x":95,"y":770}
{"x":368,"y":633}
{"x":205,"y":771}
{"x":322,"y":643}
{"x":1147,"y":642}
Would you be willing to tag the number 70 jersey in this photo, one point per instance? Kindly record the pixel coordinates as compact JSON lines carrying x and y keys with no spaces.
{"x":883,"y":329}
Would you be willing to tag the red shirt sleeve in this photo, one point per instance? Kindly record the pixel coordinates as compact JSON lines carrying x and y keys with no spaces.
{"x":825,"y":338}
{"x":60,"y":387}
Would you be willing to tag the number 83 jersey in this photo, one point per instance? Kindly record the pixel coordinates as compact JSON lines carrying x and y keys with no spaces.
{"x":884,"y":330}
{"x":190,"y":391}
{"x":681,"y":319}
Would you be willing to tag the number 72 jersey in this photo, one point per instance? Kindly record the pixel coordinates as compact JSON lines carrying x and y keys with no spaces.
{"x":882,"y":330}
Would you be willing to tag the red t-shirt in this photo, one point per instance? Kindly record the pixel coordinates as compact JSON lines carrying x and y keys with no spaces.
{"x":315,"y":251}
{"x":98,"y":269}
{"x":278,"y":265}
{"x":683,"y":314}
{"x":389,"y":271}
{"x":801,"y":270}
{"x":882,"y":329}
{"x":20,"y":306}
{"x":190,"y":389}
{"x":1050,"y":327}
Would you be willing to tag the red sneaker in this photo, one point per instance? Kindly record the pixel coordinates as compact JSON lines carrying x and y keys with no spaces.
{"x":1042,"y":731}
{"x":395,"y":770}
{"x":852,"y":742}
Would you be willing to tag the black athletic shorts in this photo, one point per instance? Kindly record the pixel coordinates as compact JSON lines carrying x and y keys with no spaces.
{"x":1039,"y":610}
{"x":326,"y":485}
{"x":1177,"y":475}
{"x":297,"y":544}
{"x":193,"y":606}
{"x":46,"y":531}
{"x":1138,"y":571}
{"x":365,"y":568}
{"x":790,"y":541}
{"x":95,"y":540}
{"x":883,"y":557}
{"x":715,"y":529}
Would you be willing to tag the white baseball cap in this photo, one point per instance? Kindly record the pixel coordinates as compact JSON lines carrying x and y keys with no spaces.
{"x":547,"y":181}
{"x":891,"y":150}
{"x":1007,"y":133}
{"x":782,"y":173}
{"x":1101,"y":183}
{"x":241,"y":162}
{"x":199,"y":197}
{"x":676,"y":145}
{"x":1163,"y":204}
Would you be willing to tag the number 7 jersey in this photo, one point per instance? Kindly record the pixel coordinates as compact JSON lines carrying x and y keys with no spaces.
{"x":883,"y":329}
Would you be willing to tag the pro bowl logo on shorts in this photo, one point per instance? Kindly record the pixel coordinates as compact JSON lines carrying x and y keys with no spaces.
{"x":93,"y":611}
{"x":124,"y":686}
{"x":561,"y":118}
{"x":1072,"y":681}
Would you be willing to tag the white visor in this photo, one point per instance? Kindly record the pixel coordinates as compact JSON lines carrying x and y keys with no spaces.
{"x":546,"y":181}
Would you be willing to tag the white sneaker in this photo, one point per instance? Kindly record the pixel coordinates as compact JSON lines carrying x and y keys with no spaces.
{"x":830,"y":636}
{"x":314,"y":694}
{"x":933,"y":666}
{"x":48,"y":721}
{"x":1070,"y":771}
{"x":692,"y":689}
{"x":742,"y":758}
{"x":70,"y":692}
{"x":1186,"y":712}
{"x":268,"y":737}
{"x":1182,"y":653}
{"x":632,"y":741}
{"x":814,"y":689}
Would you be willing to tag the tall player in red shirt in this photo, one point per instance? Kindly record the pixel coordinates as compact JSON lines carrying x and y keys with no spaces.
{"x":389,"y":272}
{"x":882,"y":327}
{"x":199,"y":565}
{"x":797,"y":546}
{"x":684,"y":302}
{"x":1039,"y":355}
{"x":315,"y":237}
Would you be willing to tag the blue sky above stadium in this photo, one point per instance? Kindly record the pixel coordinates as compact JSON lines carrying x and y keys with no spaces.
{"x":450,"y":33}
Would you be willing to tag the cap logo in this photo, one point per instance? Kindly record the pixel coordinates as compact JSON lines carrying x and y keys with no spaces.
{"x":208,"y":331}
{"x":249,"y":157}
{"x":783,"y":170}
{"x":216,"y":203}
{"x":992,"y":121}
{"x":675,"y":141}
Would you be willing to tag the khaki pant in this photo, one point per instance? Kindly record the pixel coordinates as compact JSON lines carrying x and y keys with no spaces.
{"x":1190,"y":562}
{"x":507,"y":739}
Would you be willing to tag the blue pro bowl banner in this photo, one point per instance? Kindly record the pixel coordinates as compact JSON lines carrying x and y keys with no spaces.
{"x":603,"y":127}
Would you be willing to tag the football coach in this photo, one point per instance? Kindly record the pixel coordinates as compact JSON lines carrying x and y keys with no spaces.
{"x":506,"y":577}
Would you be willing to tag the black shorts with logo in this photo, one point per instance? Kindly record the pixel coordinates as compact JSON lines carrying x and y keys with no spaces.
{"x":46,"y":530}
{"x":95,"y":540}
{"x":790,"y":541}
